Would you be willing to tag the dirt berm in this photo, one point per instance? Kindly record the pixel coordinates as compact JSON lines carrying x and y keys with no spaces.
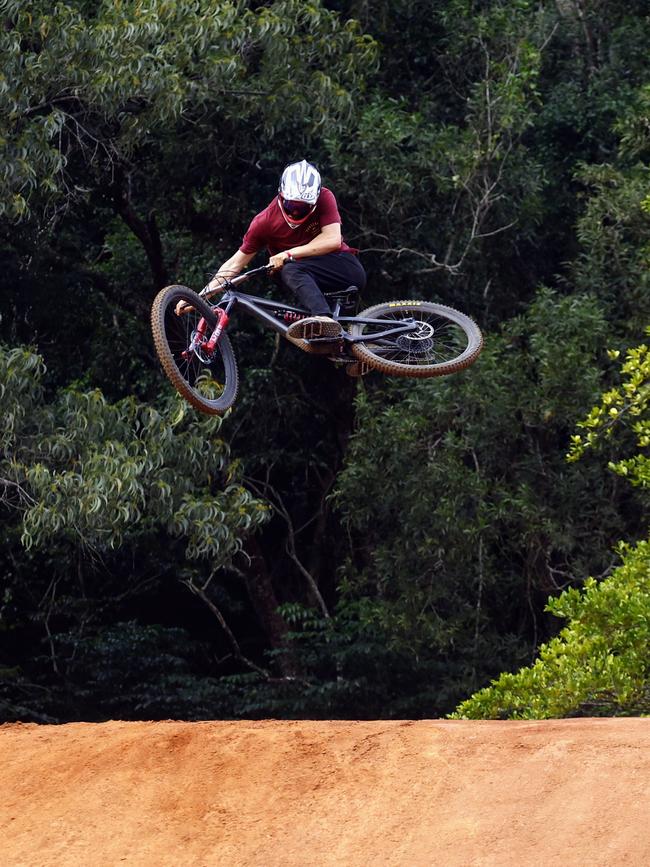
{"x":566,"y":792}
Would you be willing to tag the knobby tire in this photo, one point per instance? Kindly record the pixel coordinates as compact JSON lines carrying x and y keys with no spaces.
{"x":210,"y":387}
{"x":447,"y":340}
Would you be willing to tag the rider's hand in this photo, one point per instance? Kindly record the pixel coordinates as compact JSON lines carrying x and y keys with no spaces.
{"x":276,"y":262}
{"x":182,"y":308}
{"x":217,"y":284}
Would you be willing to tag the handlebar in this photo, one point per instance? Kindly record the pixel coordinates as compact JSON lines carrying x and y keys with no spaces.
{"x":232,"y":281}
{"x":241,"y":277}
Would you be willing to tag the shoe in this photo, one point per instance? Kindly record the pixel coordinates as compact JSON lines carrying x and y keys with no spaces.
{"x":314,"y":327}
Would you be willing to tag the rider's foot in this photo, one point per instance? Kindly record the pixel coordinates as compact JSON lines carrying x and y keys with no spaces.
{"x":314,"y":327}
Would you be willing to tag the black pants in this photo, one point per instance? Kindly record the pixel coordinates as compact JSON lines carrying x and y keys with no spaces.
{"x":309,"y":278}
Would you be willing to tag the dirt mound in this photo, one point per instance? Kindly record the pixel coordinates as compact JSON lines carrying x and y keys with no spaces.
{"x":567,"y":792}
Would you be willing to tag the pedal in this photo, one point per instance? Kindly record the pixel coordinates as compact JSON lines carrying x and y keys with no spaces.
{"x":358,"y":368}
{"x":318,"y":331}
{"x":325,"y":345}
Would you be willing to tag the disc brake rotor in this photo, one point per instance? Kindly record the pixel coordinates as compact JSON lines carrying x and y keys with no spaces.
{"x":418,"y":342}
{"x":200,"y":353}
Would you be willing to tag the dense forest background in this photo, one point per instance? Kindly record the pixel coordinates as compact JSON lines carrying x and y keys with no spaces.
{"x":332,"y":547}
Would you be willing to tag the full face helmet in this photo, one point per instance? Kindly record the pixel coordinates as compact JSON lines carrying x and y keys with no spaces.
{"x":298,"y":192}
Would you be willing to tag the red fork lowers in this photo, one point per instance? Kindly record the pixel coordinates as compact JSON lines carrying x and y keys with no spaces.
{"x":222,"y":322}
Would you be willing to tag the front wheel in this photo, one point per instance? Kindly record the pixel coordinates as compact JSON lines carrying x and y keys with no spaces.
{"x":208,"y":381}
{"x":443,"y":340}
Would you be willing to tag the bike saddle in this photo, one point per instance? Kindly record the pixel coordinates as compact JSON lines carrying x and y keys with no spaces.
{"x":346,"y":299}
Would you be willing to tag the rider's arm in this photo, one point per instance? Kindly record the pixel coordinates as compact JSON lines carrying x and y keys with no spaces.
{"x":328,"y":241}
{"x":230,"y":268}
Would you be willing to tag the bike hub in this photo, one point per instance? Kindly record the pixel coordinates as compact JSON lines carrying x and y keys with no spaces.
{"x":417,"y":342}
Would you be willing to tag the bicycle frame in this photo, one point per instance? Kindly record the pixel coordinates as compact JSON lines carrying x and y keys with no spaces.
{"x":272,"y":313}
{"x":415,"y":339}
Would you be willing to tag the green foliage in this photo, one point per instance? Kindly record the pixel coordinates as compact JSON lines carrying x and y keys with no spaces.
{"x":614,"y":227}
{"x":94,"y":473}
{"x":613,"y":232}
{"x":600,"y":662}
{"x":598,"y":665}
{"x":472,"y":465}
{"x":348,"y":672}
{"x":123,"y":671}
{"x":478,"y":152}
{"x":96,"y":87}
{"x":92,"y":483}
{"x":21,"y":372}
{"x":442,"y":171}
{"x":625,"y":405}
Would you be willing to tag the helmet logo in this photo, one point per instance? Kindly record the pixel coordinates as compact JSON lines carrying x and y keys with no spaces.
{"x":300,"y":181}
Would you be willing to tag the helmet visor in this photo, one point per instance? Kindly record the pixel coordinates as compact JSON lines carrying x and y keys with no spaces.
{"x":296,"y":209}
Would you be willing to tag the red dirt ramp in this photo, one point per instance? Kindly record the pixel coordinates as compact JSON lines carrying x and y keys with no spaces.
{"x":504,"y":794}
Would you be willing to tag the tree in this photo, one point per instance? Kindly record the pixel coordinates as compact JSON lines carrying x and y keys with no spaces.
{"x":86,"y":485}
{"x":613,"y":229}
{"x":137,"y":140}
{"x":491,"y":518}
{"x":600,"y":662}
{"x":508,"y":140}
{"x":92,"y":86}
{"x":597,"y":666}
{"x":441,"y":168}
{"x":627,"y":405}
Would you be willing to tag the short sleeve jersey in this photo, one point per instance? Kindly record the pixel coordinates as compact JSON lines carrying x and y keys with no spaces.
{"x":269,"y":230}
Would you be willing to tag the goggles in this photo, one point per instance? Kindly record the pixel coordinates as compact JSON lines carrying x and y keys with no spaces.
{"x":296,"y":210}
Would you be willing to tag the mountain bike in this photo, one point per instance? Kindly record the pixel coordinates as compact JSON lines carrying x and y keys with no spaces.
{"x":397,"y":338}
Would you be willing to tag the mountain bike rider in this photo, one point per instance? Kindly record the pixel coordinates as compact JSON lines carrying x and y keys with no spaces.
{"x":301,"y":229}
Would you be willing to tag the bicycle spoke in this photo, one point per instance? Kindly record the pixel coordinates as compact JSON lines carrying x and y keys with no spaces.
{"x":205,"y":376}
{"x":206,"y":379}
{"x":428,"y":339}
{"x":438,"y":341}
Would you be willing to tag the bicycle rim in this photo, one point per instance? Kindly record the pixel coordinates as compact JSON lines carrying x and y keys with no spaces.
{"x":209,"y":383}
{"x":444,"y":340}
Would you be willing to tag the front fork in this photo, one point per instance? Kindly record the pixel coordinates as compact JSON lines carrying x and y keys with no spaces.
{"x":222,"y":322}
{"x":199,"y":337}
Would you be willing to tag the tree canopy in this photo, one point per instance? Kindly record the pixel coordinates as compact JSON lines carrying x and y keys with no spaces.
{"x":331,"y":547}
{"x":600,"y":662}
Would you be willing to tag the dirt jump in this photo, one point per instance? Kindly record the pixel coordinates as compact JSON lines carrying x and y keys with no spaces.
{"x":563,"y":792}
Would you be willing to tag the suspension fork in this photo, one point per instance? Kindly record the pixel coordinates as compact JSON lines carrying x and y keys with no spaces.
{"x":199,"y":337}
{"x":222,"y":323}
{"x":223,"y":318}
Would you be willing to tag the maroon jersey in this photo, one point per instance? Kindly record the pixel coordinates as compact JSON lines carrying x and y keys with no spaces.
{"x":269,"y":229}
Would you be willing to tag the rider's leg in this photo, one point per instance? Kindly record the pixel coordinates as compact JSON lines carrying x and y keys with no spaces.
{"x":308,"y":278}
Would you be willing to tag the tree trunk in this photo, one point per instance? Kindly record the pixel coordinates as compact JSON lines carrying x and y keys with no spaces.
{"x":146,"y":231}
{"x":261,"y":593}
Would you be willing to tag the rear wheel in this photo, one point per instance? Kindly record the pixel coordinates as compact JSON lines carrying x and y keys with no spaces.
{"x":208,"y":382}
{"x":443,"y":341}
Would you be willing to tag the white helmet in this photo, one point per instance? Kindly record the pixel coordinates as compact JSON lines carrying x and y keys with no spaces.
{"x":299,"y":190}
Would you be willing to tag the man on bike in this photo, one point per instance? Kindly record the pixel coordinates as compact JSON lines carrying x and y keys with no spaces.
{"x":301,"y":229}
